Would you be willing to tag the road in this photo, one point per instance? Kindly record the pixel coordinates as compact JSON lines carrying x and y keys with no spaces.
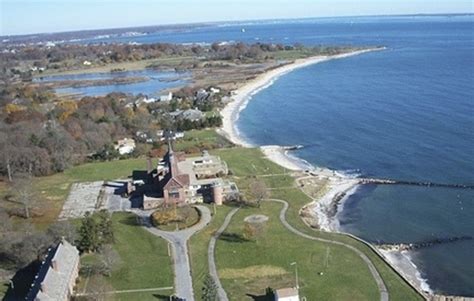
{"x":211,"y":255}
{"x":178,"y":240}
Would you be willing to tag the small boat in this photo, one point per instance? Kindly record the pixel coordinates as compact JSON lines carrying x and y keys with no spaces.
{"x":243,"y":30}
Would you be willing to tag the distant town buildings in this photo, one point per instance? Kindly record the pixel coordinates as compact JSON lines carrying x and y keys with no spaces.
{"x":287,"y":294}
{"x":57,"y":276}
{"x":87,"y":63}
{"x":125,"y":146}
{"x":166,"y":97}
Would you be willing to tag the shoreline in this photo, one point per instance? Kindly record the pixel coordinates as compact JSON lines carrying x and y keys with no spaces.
{"x":230,"y":113}
{"x":323,"y":211}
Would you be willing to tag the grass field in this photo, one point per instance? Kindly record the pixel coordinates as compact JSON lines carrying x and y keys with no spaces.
{"x":144,"y":261}
{"x":198,"y":245}
{"x":201,"y":139}
{"x":345,"y":276}
{"x":127,"y":66}
{"x":53,"y":190}
{"x":248,"y":164}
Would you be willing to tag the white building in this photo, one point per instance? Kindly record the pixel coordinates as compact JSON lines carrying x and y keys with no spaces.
{"x":215,"y":90}
{"x":125,"y":146}
{"x":166,"y":97}
{"x":287,"y":294}
{"x":87,"y":63}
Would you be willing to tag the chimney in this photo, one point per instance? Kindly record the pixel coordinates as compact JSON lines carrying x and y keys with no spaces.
{"x":149,"y":166}
{"x":43,"y":287}
{"x":54,"y":265}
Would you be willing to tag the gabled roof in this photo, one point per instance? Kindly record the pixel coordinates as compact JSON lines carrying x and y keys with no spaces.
{"x":53,"y":283}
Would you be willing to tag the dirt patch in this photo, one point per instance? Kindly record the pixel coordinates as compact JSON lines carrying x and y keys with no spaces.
{"x":256,"y":271}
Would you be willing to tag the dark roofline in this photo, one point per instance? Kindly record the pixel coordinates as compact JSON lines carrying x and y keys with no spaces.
{"x":43,"y":271}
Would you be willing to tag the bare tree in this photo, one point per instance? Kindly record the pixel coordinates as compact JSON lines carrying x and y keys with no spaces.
{"x":63,"y":229}
{"x":23,"y":191}
{"x":110,"y":259}
{"x":6,"y":224}
{"x":258,"y":191}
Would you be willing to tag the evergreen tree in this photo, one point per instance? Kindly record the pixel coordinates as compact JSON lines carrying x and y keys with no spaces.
{"x":105,"y":228}
{"x":209,"y":289}
{"x":88,"y":234}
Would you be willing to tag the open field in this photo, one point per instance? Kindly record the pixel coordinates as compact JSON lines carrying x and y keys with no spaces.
{"x":198,"y":245}
{"x":126,"y":66}
{"x":52,"y":190}
{"x":248,"y":163}
{"x":201,"y":139}
{"x":144,"y":261}
{"x":345,"y":275}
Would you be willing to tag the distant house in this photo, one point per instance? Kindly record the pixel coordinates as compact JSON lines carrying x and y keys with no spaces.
{"x":287,"y":294}
{"x":201,"y":96}
{"x":125,"y":146}
{"x":86,"y":63}
{"x":166,"y":97}
{"x":149,"y":100}
{"x":57,"y":276}
{"x":214,"y":90}
{"x":192,"y":115}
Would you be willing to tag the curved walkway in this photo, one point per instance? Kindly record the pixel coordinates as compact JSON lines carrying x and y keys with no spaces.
{"x":178,"y":240}
{"x":375,"y":274}
{"x":211,"y":255}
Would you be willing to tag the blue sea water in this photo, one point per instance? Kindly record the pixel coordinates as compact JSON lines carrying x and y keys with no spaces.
{"x":157,"y":81}
{"x":403,"y":113}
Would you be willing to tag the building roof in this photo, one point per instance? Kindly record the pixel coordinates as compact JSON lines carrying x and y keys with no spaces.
{"x":287,"y":292}
{"x":192,"y":114}
{"x":175,"y":177}
{"x":53,"y":280}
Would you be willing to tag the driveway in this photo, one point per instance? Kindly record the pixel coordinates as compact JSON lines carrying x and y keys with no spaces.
{"x":178,"y":240}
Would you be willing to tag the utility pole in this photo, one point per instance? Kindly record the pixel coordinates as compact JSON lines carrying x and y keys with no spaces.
{"x":296,"y":274}
{"x":326,"y":262}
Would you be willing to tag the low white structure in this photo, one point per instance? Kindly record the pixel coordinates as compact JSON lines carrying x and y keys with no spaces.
{"x":57,"y":276}
{"x":166,"y":97}
{"x":125,"y":146}
{"x":287,"y":294}
{"x":215,"y":90}
{"x":87,"y":63}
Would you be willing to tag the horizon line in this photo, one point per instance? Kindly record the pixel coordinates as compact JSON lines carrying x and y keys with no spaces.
{"x":235,"y":22}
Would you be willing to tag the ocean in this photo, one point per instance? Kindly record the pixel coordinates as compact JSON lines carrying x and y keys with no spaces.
{"x":403,"y":113}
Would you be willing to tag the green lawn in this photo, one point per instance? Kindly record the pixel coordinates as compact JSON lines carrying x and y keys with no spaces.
{"x":144,"y":261}
{"x":198,"y":245}
{"x":52,"y":190}
{"x":267,"y":262}
{"x":247,"y":164}
{"x":201,"y":139}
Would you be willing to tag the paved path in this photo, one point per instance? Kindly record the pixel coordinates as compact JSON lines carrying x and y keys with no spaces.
{"x":211,"y":255}
{"x":375,"y":274}
{"x":178,"y":240}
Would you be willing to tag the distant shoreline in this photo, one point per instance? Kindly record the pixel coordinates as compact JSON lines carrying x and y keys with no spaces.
{"x":322,"y":209}
{"x":230,"y":114}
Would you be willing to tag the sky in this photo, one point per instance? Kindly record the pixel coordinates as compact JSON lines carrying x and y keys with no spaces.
{"x":38,"y":16}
